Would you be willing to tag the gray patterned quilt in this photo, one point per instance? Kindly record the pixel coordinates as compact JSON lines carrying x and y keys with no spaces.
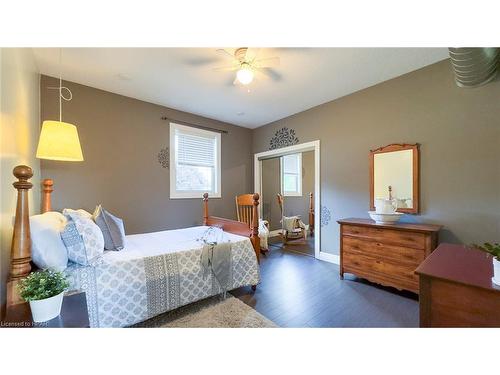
{"x":135,"y":284}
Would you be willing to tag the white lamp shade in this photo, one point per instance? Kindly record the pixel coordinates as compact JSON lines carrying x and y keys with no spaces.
{"x":59,"y":141}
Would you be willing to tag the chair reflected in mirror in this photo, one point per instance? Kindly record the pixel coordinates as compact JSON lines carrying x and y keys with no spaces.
{"x":293,"y":230}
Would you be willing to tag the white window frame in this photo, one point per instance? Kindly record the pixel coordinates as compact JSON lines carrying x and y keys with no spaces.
{"x":299,"y":175}
{"x":174,"y":193}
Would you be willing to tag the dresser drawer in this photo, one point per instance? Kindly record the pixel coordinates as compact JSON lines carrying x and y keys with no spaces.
{"x":381,"y":271}
{"x":379,"y":250}
{"x":414,"y":240}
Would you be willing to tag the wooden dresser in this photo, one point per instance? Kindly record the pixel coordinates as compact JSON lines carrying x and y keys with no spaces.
{"x":456,"y":289}
{"x":386,"y":254}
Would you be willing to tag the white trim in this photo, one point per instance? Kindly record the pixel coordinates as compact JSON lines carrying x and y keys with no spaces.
{"x":302,"y":147}
{"x":174,"y":194}
{"x":331,"y":258}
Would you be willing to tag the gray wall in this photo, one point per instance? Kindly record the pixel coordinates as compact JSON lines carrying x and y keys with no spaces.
{"x":459,"y":133}
{"x":120,"y":139}
{"x":271,"y":185}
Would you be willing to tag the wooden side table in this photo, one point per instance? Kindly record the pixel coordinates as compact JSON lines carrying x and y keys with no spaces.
{"x":456,"y":289}
{"x":74,"y":314}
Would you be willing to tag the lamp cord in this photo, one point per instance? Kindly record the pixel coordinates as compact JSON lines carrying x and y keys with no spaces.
{"x":61,"y":88}
{"x":60,"y":85}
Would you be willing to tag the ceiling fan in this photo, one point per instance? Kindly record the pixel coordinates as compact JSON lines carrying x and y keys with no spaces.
{"x":247,"y":65}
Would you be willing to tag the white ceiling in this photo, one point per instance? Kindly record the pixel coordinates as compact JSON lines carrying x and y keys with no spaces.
{"x":182,"y":78}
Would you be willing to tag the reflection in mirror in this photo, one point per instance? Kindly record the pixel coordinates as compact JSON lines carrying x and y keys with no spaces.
{"x":394,"y":177}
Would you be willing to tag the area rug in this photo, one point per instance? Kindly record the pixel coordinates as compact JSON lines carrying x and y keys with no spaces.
{"x":214,"y":312}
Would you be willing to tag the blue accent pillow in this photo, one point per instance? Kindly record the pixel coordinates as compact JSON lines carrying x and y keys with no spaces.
{"x":74,"y":244}
{"x":112,"y":229}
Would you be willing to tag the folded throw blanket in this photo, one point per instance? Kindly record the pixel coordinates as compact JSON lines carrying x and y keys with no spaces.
{"x":216,"y":258}
{"x":293,"y":222}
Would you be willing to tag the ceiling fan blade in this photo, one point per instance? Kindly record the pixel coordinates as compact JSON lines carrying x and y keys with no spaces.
{"x":252,"y":54}
{"x":269,"y":62}
{"x":270,"y":73}
{"x":261,"y":74}
{"x":222,"y":52}
{"x":225,"y":68}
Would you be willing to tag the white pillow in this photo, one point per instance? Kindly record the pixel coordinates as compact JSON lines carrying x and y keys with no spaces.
{"x":80,"y":212}
{"x":47,"y":248}
{"x":83,"y":238}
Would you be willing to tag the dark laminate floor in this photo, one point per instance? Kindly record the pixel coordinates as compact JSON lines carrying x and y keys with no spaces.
{"x":307,"y":248}
{"x":300,"y":291}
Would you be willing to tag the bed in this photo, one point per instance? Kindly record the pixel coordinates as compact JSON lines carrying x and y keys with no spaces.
{"x":154,"y":273}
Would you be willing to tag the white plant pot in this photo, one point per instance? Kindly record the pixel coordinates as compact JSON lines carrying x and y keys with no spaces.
{"x":46,"y":309}
{"x":496,"y":272}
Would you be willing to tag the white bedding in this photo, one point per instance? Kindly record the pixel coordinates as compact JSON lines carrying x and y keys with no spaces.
{"x":154,"y":273}
{"x":164,"y":242}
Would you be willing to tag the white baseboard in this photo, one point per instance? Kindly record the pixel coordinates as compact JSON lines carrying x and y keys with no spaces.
{"x":327,"y":257}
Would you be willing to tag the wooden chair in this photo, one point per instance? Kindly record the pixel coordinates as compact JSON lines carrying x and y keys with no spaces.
{"x":244,"y":211}
{"x":296,"y":234}
{"x":244,"y":208}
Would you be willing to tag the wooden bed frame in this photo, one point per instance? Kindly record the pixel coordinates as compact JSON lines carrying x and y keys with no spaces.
{"x":20,"y":261}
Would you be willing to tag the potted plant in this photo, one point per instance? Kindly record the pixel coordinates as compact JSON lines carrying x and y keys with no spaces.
{"x":493,"y":249}
{"x":44,"y":290}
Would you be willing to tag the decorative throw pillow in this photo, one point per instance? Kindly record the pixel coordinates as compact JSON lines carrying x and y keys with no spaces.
{"x":112,"y":229}
{"x":74,"y":244}
{"x":47,"y":248}
{"x":83,"y":238}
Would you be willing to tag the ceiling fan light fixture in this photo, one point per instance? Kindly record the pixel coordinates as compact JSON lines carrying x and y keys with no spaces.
{"x":245,"y":74}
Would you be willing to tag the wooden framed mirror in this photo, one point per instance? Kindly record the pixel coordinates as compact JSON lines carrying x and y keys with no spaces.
{"x":394,"y":174}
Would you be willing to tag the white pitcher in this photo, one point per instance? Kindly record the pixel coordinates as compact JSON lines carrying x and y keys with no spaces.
{"x":386,"y":206}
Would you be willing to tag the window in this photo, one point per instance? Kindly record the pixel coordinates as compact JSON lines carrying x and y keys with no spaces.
{"x":194,"y":162}
{"x":291,"y":175}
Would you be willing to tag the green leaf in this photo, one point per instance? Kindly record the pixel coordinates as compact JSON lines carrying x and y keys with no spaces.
{"x":42,"y":284}
{"x":489,"y":248}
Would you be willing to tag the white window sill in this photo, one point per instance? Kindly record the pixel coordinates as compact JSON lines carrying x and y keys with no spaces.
{"x":292,"y":195}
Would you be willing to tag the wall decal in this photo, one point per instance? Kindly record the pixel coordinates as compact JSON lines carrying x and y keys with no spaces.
{"x":283,"y":138}
{"x":325,"y":216}
{"x":163,"y":157}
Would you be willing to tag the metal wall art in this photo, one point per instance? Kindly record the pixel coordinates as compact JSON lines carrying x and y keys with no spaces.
{"x":325,"y":216}
{"x":283,"y":138}
{"x":163,"y":157}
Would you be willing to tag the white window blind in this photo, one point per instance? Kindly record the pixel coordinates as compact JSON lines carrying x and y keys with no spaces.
{"x":195,"y":150}
{"x":195,"y":162}
{"x":291,"y":175}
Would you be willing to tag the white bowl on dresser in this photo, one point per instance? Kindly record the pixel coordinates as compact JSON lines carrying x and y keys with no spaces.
{"x":387,"y":218}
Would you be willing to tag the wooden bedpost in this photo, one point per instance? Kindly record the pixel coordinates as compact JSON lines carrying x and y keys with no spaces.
{"x":254,"y":237}
{"x":311,"y":214}
{"x":205,"y":209}
{"x":46,"y":191}
{"x":21,"y":241}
